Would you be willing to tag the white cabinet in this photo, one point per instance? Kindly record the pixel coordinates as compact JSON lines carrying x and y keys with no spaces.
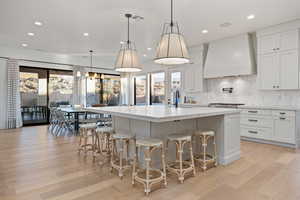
{"x":284,"y":129}
{"x":278,"y":65}
{"x":269,"y":125}
{"x":283,"y":41}
{"x":193,"y":72}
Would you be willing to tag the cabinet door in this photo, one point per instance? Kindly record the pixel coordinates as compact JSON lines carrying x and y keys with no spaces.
{"x":288,"y":40}
{"x":268,"y":43}
{"x":284,"y":129}
{"x":289,"y":69}
{"x":268,"y":71}
{"x":188,"y":79}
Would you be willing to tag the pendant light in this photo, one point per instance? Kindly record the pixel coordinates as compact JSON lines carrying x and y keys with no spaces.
{"x":127,"y":59}
{"x":92,"y":74}
{"x":172,"y":48}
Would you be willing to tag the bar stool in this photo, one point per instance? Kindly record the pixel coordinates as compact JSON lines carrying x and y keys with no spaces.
{"x":117,"y":160}
{"x":205,"y":158}
{"x":150,"y":175}
{"x":181,"y":167}
{"x":87,"y":131}
{"x":103,"y":141}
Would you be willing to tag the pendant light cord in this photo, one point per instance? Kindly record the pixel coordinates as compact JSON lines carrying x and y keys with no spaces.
{"x":172,"y":13}
{"x":91,"y":55}
{"x":128,"y":30}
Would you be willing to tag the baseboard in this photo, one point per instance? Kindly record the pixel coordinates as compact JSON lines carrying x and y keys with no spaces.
{"x":230,"y":158}
{"x":269,"y":142}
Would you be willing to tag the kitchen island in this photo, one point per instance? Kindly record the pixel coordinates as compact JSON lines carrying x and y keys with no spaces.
{"x":160,"y":121}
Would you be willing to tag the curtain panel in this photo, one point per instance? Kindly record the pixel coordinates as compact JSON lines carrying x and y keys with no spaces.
{"x":79,"y":87}
{"x":14,"y":117}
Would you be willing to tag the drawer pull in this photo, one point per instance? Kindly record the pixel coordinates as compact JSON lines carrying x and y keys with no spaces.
{"x":282,"y":113}
{"x":282,"y":118}
{"x":252,"y":120}
{"x":253,"y":132}
{"x":252,"y":111}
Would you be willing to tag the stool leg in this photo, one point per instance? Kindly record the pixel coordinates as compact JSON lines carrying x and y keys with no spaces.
{"x":112,"y":156}
{"x":148,"y":160}
{"x":121,"y":159}
{"x":215,"y":148}
{"x":80,"y":141}
{"x":134,"y":165}
{"x":180,"y":151}
{"x":192,"y":158}
{"x":204,"y":145}
{"x":163,"y":161}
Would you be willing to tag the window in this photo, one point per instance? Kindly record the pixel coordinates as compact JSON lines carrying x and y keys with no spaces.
{"x":140,"y":89}
{"x":104,"y":89}
{"x":157,"y":88}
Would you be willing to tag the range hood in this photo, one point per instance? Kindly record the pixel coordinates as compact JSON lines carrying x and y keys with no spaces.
{"x":232,"y":56}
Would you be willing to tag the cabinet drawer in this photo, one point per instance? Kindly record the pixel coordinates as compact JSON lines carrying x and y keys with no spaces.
{"x":259,"y":133}
{"x":284,"y":129}
{"x":256,"y":112}
{"x":283,"y":113}
{"x":257,"y":121}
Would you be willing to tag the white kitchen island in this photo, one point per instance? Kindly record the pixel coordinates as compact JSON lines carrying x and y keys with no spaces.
{"x":159,"y":121}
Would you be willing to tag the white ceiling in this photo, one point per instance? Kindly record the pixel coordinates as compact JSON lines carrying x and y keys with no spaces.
{"x":65,"y":21}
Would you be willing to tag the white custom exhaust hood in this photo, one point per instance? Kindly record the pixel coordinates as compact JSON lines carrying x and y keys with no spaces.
{"x":232,"y":56}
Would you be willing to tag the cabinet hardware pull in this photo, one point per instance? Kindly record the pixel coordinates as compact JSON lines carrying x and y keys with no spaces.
{"x":282,"y":113}
{"x":254,"y":132}
{"x":252,"y":111}
{"x":282,"y":118}
{"x":274,"y":86}
{"x":252,"y":120}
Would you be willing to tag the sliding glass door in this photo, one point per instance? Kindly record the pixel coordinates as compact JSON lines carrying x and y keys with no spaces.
{"x":33,"y":92}
{"x":157,"y":88}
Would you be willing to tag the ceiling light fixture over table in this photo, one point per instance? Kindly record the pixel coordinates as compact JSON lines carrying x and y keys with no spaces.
{"x":172,"y":48}
{"x":127,"y":59}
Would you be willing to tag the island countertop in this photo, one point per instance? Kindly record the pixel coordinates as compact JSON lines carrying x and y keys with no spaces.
{"x":161,"y":113}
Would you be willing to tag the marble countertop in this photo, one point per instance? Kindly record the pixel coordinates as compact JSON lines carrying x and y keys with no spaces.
{"x":161,"y":113}
{"x":271,"y":107}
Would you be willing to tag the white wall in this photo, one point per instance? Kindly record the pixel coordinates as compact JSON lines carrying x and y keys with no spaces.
{"x":245,"y":91}
{"x":3,"y":93}
{"x":28,"y":54}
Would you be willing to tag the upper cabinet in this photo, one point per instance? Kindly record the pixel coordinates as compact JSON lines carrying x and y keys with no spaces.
{"x":193,"y":72}
{"x":284,"y":41}
{"x":232,"y":56}
{"x":278,"y":60}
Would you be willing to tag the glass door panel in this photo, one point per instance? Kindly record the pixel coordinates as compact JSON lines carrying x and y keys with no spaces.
{"x":111,"y":89}
{"x":33,"y":92}
{"x":157,"y":88}
{"x":140,"y":88}
{"x":60,"y":87}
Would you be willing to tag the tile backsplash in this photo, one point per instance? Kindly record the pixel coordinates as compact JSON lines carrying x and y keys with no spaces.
{"x":244,"y":91}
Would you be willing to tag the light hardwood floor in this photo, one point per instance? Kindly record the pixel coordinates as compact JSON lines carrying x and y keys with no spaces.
{"x":34,"y":165}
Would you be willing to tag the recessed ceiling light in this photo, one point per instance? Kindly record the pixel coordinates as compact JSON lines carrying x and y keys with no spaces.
{"x":145,"y":55}
{"x":251,"y":16}
{"x":121,"y":42}
{"x":30,"y":34}
{"x":204,"y":31}
{"x":24,"y":45}
{"x":38,"y":23}
{"x":225,"y":24}
{"x":85,"y":34}
{"x":149,"y":48}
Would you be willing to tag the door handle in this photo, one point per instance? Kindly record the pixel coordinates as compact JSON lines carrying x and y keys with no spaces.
{"x":253,"y":132}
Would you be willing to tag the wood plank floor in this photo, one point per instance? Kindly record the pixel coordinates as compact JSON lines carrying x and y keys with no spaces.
{"x":34,"y":165}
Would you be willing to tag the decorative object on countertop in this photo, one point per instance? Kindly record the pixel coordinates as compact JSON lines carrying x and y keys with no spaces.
{"x":149,"y":176}
{"x":181,"y":167}
{"x":117,"y":160}
{"x":177,"y":96}
{"x":127,"y":59}
{"x":205,"y":158}
{"x":172,"y":48}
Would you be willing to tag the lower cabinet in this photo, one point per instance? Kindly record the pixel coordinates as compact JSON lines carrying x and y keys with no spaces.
{"x":276,"y":125}
{"x":284,"y":129}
